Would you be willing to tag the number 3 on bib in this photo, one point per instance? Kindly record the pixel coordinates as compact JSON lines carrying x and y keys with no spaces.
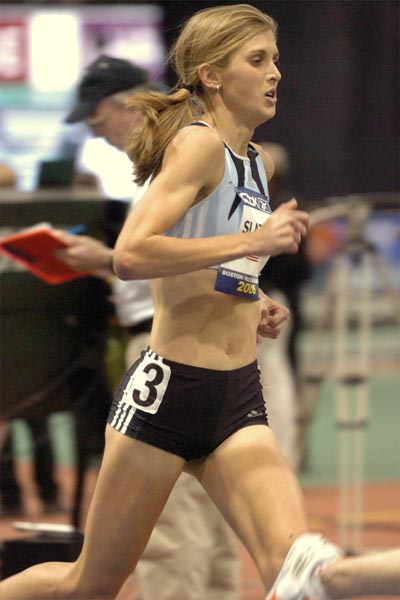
{"x":147,"y":384}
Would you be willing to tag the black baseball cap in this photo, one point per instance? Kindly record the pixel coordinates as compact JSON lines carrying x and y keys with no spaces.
{"x":105,"y":76}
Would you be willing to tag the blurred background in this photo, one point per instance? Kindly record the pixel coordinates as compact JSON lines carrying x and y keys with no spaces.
{"x":338,"y":99}
{"x":335,"y":140}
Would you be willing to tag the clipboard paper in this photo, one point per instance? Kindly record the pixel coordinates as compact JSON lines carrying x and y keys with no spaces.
{"x":34,"y":249}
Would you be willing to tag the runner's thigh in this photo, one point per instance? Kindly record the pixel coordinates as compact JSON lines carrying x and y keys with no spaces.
{"x":134,"y":483}
{"x":257,"y":492}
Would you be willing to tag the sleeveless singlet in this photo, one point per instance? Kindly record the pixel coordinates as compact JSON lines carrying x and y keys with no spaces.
{"x":240,"y":202}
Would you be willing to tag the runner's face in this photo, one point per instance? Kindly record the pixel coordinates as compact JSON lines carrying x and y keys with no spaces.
{"x":249,"y":82}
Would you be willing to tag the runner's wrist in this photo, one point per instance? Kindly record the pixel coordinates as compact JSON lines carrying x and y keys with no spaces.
{"x":257,"y":242}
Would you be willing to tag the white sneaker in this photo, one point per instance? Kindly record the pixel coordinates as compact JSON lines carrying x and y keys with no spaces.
{"x":306,"y":554}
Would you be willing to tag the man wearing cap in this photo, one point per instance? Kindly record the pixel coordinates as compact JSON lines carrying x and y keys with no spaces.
{"x":103,"y":78}
{"x":192,"y":552}
{"x":103,"y":88}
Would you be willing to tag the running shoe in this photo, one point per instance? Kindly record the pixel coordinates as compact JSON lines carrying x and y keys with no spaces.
{"x":295,"y":580}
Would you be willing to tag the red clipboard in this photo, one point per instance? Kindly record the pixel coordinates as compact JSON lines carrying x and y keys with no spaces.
{"x":34,"y":249}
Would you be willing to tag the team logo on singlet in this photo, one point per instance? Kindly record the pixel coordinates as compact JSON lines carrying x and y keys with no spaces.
{"x":254,"y":200}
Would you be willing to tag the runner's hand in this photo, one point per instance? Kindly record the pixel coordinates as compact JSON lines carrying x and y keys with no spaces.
{"x":283,"y":231}
{"x":274,"y":317}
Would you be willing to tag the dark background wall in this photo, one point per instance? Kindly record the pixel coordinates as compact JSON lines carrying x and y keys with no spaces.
{"x":338,"y":108}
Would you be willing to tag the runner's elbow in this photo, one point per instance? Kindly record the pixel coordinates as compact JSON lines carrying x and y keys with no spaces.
{"x":127,"y":265}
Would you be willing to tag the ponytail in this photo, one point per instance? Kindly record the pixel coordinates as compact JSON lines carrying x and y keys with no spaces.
{"x":211,"y":36}
{"x":162,"y":117}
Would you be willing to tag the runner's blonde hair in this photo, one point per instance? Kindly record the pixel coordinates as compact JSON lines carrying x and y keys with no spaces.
{"x":209,"y":36}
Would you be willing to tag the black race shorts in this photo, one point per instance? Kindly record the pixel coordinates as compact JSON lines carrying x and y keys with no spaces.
{"x":186,"y":410}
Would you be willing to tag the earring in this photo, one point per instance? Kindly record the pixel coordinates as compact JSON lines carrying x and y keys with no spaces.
{"x":218,"y":87}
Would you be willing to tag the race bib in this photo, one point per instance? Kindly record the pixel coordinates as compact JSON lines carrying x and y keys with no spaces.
{"x":239,"y":277}
{"x":147,"y":384}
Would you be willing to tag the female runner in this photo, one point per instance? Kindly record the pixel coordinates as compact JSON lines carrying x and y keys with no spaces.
{"x":193,"y":400}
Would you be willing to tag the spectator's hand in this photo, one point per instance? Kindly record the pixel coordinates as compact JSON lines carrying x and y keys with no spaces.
{"x":274,"y":317}
{"x":85,"y":254}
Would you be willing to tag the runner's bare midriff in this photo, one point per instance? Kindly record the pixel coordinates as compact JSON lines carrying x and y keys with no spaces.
{"x":196,"y":325}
